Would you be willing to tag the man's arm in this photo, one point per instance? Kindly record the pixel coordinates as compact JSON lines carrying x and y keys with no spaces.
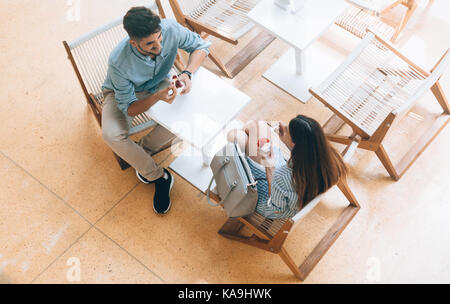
{"x":195,"y":61}
{"x":142,"y":105}
{"x":197,"y":48}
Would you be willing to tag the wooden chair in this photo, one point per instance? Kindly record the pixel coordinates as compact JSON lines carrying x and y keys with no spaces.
{"x":226,"y":20}
{"x":89,"y":56}
{"x":365,"y":15}
{"x":373,"y":88}
{"x":270,"y":235}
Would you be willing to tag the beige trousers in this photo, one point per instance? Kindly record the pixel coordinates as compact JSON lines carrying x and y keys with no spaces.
{"x":115,"y":128}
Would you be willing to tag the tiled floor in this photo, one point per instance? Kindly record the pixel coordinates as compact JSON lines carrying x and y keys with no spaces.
{"x":64,"y":200}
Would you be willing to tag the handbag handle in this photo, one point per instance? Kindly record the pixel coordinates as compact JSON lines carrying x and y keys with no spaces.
{"x":208,"y":191}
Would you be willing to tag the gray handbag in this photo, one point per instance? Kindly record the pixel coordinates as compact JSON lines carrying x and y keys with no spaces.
{"x":235,"y":183}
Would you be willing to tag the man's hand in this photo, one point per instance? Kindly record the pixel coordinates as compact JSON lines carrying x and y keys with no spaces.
{"x":168,"y":94}
{"x":187,"y":83}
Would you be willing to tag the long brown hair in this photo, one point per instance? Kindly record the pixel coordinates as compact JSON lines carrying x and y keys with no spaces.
{"x":316,"y":165}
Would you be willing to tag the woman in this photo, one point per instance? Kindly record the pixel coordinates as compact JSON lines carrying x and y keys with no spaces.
{"x":284,"y":188}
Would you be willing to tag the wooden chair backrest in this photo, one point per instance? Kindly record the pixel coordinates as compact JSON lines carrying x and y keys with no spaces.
{"x":90,"y":55}
{"x":188,"y":7}
{"x":376,"y":6}
{"x":374,"y":81}
{"x":227,"y":17}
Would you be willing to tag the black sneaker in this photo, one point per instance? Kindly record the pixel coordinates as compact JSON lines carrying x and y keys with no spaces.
{"x":161,"y":201}
{"x":143,"y":179}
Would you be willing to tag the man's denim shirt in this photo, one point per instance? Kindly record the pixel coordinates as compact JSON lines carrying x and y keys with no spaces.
{"x":129,"y":71}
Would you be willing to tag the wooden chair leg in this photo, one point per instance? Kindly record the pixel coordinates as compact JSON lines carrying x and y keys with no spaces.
{"x":411,"y":5}
{"x":345,"y":189}
{"x":245,"y":56}
{"x":252,"y":240}
{"x":219,"y":64}
{"x":385,"y":160}
{"x":420,"y":146}
{"x":440,"y":96}
{"x":232,"y":227}
{"x":327,"y":241}
{"x":291,"y":264}
{"x":249,"y":52}
{"x":333,"y":125}
{"x":123,"y":164}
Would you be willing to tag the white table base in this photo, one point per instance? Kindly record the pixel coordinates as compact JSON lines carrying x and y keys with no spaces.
{"x":318,"y":61}
{"x":190,"y":164}
{"x":192,"y":169}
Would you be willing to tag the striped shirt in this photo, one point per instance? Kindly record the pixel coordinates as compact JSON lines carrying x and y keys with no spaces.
{"x":284,"y":200}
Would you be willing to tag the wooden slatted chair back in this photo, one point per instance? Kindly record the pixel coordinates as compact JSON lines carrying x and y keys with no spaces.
{"x":365,"y":15}
{"x":91,"y":53}
{"x":229,"y":17}
{"x":374,"y":83}
{"x":372,"y":89}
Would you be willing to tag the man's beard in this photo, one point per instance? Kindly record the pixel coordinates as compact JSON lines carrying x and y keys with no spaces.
{"x":150,"y":53}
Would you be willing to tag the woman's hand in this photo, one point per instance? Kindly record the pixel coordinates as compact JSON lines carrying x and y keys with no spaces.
{"x":267,"y":159}
{"x":283,"y":132}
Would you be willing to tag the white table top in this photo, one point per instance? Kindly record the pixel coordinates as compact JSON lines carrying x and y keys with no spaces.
{"x":203,"y":113}
{"x":303,"y":28}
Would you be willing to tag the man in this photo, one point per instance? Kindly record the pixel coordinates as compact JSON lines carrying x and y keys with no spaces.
{"x":137,"y":79}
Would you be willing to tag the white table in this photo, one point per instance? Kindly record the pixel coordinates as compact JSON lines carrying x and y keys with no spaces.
{"x":201,"y":119}
{"x":301,"y":67}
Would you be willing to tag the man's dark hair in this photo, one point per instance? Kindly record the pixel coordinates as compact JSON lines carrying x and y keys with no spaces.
{"x":141,"y":22}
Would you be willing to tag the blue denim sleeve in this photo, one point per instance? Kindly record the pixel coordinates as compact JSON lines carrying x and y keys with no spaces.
{"x":190,"y":41}
{"x":123,"y":89}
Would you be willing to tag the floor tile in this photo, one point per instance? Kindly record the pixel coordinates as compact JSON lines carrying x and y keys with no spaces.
{"x":35,"y":225}
{"x":183,"y":246}
{"x":399,"y":235}
{"x":95,"y":259}
{"x":51,"y":131}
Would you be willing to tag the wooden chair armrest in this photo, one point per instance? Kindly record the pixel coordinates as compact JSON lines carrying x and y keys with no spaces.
{"x":438,"y":70}
{"x":391,"y":47}
{"x":201,"y":27}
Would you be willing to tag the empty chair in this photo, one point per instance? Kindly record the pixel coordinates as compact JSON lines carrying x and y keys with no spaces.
{"x":365,"y":14}
{"x":89,"y":56}
{"x":375,"y":86}
{"x":226,"y":20}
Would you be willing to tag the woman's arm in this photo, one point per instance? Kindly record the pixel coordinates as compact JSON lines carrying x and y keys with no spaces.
{"x":283,"y":202}
{"x":269,"y":175}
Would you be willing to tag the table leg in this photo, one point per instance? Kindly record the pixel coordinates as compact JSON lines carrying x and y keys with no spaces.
{"x":299,"y":62}
{"x":205,"y":157}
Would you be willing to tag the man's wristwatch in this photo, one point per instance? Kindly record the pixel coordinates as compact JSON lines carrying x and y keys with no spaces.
{"x":187,"y":73}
